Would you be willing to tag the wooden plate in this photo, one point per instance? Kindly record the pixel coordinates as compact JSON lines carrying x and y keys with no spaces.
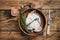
{"x":43,"y":22}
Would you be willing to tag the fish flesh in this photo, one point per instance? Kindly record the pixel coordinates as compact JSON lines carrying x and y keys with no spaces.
{"x":34,"y":21}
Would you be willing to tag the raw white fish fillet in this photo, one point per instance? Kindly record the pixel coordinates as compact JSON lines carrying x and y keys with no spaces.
{"x":35,"y":24}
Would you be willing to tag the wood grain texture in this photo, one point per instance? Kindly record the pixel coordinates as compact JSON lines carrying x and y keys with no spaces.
{"x":7,"y":4}
{"x":9,"y":29}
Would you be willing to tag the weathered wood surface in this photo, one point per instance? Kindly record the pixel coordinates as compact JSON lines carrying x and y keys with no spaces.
{"x":7,"y":4}
{"x":9,"y":29}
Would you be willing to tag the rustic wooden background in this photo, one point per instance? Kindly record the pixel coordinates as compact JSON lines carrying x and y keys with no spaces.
{"x":9,"y":29}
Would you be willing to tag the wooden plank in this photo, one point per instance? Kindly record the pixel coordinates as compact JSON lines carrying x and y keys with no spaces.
{"x":7,"y":4}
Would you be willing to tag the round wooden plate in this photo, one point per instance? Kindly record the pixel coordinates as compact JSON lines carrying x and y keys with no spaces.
{"x":43,"y":22}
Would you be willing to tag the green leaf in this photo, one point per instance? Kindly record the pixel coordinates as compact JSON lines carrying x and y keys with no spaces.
{"x":23,"y":21}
